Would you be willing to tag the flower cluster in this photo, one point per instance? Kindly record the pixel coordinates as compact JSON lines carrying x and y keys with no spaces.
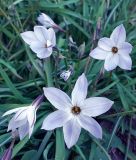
{"x":78,"y":111}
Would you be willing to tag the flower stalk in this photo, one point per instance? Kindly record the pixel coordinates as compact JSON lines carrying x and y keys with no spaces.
{"x":59,"y":154}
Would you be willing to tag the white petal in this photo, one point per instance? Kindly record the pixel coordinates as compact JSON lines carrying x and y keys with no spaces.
{"x":111,"y":62}
{"x":57,"y":98}
{"x":79,"y":92}
{"x":105,"y":44}
{"x":45,"y":53}
{"x":23,"y":131}
{"x":95,"y":106}
{"x":29,"y":37}
{"x":45,"y":20}
{"x":118,"y":35}
{"x":125,"y":48}
{"x":20,"y":115}
{"x":52,"y":36}
{"x":15,"y":124}
{"x":11,"y":125}
{"x":71,"y":132}
{"x":125,"y":62}
{"x":13,"y":111}
{"x":55,"y":120}
{"x":31,"y":131}
{"x":99,"y":53}
{"x":91,"y":125}
{"x":41,"y":33}
{"x":41,"y":51}
{"x":31,"y":115}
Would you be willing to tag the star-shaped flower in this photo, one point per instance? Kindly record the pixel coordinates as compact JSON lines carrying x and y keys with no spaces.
{"x":75,"y":113}
{"x":24,"y":118}
{"x":114,"y":50}
{"x":41,"y":41}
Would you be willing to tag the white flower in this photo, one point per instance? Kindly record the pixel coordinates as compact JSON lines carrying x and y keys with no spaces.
{"x":65,"y":75}
{"x":24,"y":118}
{"x":41,"y":40}
{"x":47,"y":22}
{"x":114,"y":50}
{"x":75,"y":113}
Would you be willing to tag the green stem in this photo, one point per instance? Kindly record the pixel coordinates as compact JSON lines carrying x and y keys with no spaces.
{"x":60,"y":153}
{"x":43,"y":144}
{"x":48,"y":71}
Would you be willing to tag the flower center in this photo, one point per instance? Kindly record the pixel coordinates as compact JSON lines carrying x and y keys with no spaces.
{"x":76,"y":110}
{"x":114,"y":50}
{"x":45,"y":45}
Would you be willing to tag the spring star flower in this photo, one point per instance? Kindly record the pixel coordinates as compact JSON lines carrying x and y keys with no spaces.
{"x":75,"y":113}
{"x":41,"y":41}
{"x":114,"y":50}
{"x":24,"y":118}
{"x":46,"y":21}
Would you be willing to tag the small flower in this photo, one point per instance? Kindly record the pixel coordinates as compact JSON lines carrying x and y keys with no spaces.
{"x":114,"y":50}
{"x":46,"y":21}
{"x":24,"y":118}
{"x":67,"y":73}
{"x":41,"y":40}
{"x":74,"y":113}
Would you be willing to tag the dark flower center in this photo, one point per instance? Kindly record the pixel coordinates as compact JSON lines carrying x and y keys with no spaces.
{"x":45,"y":45}
{"x":76,"y":110}
{"x":114,"y":50}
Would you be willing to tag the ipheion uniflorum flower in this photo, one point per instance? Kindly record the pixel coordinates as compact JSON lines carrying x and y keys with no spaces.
{"x":114,"y":50}
{"x":41,"y":41}
{"x":76,"y":112}
{"x":24,"y":118}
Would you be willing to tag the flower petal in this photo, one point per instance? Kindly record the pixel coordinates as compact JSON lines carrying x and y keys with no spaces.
{"x":41,"y":33}
{"x":52,"y":36}
{"x":71,"y":132}
{"x":15,"y":124}
{"x":79,"y":92}
{"x":55,"y":120}
{"x":13,"y":111}
{"x":20,"y":115}
{"x":31,"y":131}
{"x":95,"y":106}
{"x":111,"y":62}
{"x":99,"y":53}
{"x":125,"y":48}
{"x":125,"y":62}
{"x":105,"y":44}
{"x":45,"y":20}
{"x":29,"y":37}
{"x":91,"y":125}
{"x":118,"y":35}
{"x":57,"y":98}
{"x":41,"y":51}
{"x":31,"y":115}
{"x":23,"y":131}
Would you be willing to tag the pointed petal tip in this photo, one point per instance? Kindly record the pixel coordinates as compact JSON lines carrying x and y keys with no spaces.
{"x":69,"y":146}
{"x":100,"y":137}
{"x":122,"y":25}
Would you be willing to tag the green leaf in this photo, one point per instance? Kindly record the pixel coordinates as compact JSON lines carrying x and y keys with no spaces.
{"x":29,"y":155}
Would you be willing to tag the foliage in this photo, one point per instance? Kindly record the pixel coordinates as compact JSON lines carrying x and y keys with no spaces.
{"x":22,"y":76}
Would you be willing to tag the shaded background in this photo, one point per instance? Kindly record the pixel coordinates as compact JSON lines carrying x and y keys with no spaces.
{"x":22,"y":75}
